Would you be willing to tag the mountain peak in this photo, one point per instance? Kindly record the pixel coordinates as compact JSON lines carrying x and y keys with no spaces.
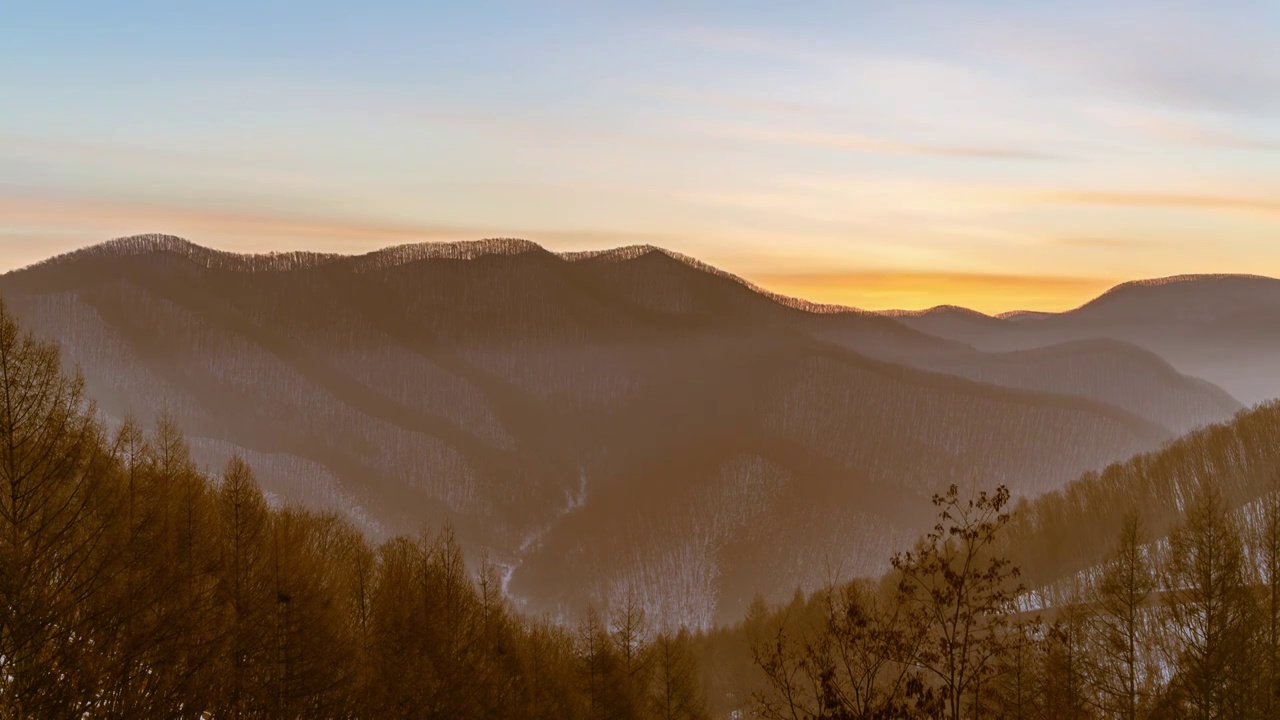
{"x":161,"y":243}
{"x":460,"y":250}
{"x":628,"y":253}
{"x":1023,"y":315}
{"x":1224,"y":286}
{"x":1185,"y":280}
{"x":618,"y":254}
{"x":937,"y":310}
{"x":153,"y":243}
{"x":131,"y":245}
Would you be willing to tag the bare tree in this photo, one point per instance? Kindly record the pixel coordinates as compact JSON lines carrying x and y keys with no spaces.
{"x":849,"y":652}
{"x":963,"y":593}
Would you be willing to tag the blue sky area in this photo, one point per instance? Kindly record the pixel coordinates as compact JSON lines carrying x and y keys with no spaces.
{"x":995,"y":154}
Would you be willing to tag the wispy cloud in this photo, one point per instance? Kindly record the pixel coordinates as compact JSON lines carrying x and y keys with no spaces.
{"x":1177,"y":128}
{"x":754,"y":104}
{"x":1134,"y":51}
{"x":1103,"y":243}
{"x":1184,"y":201}
{"x":128,"y":216}
{"x":739,"y":40}
{"x":863,"y":143}
{"x":1206,"y":136}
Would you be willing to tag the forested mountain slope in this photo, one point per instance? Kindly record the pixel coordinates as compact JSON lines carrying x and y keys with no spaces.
{"x":1145,"y":590}
{"x":1072,"y":529}
{"x":594,"y":421}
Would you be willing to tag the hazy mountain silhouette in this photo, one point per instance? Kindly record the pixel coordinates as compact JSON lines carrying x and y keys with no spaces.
{"x":1124,"y":375}
{"x":1223,"y":328}
{"x":593,"y":419}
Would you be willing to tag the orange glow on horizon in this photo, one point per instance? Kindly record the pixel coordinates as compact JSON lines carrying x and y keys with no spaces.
{"x":910,"y":290}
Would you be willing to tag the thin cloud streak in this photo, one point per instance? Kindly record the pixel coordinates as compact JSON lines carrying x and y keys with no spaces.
{"x":77,"y":213}
{"x":1178,"y":129}
{"x":1226,"y":203}
{"x":737,"y":103}
{"x":1136,"y":52}
{"x":1102,"y":243}
{"x":863,"y":143}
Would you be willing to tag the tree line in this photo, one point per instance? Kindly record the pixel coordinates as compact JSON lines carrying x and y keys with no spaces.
{"x":133,"y":586}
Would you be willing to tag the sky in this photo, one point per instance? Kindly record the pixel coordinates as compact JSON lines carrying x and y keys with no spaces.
{"x":996,"y":154}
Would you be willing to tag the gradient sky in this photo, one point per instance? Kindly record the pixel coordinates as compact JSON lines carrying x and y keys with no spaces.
{"x":991,"y":153}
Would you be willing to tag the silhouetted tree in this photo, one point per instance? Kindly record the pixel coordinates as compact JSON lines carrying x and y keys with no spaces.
{"x":630,"y":638}
{"x":598,"y":664}
{"x":244,"y":591}
{"x":1120,"y":639}
{"x":1210,"y":607}
{"x":676,"y":695}
{"x":1065,"y":667}
{"x":57,"y":503}
{"x":1018,"y":688}
{"x":964,"y":593}
{"x":1267,"y":541}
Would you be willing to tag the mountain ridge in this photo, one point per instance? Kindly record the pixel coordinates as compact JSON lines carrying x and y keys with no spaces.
{"x":404,"y":254}
{"x":407,"y":253}
{"x":1128,"y":285}
{"x":548,"y":406}
{"x":1221,"y":328}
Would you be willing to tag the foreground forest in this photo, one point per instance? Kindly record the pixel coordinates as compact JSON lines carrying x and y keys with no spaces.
{"x":1184,"y":628}
{"x":132,"y":585}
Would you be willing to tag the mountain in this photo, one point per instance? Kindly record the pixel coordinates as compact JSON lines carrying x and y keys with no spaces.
{"x":594,"y":421}
{"x":1223,"y":328}
{"x":1117,"y":373}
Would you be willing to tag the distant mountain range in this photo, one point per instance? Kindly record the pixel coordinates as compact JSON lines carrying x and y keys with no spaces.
{"x":1223,"y":328}
{"x":633,"y":417}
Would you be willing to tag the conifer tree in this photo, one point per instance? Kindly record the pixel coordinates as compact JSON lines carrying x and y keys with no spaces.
{"x":1065,"y":667}
{"x":1268,"y":558}
{"x":676,"y":695}
{"x":631,"y":647}
{"x":1120,"y":639}
{"x":244,"y":591}
{"x":1210,"y":606}
{"x":57,"y":504}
